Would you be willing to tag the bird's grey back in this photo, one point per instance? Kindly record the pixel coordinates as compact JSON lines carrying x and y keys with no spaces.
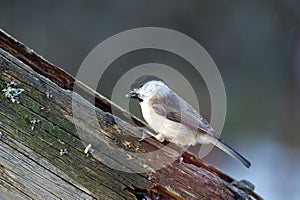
{"x":177,"y":109}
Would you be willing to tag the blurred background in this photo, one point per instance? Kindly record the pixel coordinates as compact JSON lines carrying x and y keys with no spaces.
{"x":255,"y":44}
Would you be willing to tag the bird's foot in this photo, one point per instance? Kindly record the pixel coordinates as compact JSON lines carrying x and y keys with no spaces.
{"x":145,"y":133}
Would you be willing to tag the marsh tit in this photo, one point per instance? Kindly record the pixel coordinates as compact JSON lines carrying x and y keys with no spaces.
{"x":173,"y":118}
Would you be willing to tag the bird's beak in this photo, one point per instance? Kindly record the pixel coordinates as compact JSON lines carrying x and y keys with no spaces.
{"x":131,"y":94}
{"x":134,"y":94}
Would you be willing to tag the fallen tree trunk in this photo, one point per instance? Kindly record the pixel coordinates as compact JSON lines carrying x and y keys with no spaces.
{"x":42,"y":156}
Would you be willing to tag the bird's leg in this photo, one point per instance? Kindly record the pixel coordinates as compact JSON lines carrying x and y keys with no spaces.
{"x":145,"y":133}
{"x":160,"y":137}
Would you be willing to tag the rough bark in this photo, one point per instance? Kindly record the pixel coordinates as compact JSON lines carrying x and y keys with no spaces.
{"x":42,"y":155}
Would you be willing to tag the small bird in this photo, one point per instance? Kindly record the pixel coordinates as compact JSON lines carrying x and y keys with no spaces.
{"x":173,"y":118}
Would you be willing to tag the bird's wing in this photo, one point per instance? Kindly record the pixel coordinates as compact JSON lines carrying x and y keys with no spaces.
{"x":178,"y":110}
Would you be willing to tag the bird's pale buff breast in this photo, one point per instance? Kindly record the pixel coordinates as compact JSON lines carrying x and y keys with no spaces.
{"x":172,"y":131}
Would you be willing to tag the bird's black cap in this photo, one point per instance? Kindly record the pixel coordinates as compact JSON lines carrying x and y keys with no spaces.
{"x":138,"y":83}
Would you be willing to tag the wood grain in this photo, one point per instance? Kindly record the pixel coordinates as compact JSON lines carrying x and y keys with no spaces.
{"x":32,"y":167}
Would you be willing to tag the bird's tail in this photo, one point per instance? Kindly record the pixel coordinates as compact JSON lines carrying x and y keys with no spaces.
{"x":227,"y":149}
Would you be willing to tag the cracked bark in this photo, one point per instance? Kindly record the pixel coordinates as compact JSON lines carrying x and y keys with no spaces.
{"x":32,"y":167}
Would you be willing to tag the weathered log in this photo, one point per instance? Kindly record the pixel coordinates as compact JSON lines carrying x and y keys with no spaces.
{"x":42,"y":156}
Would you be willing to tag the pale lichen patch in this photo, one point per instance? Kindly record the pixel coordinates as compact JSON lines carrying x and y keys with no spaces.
{"x":12,"y":92}
{"x":63,"y":152}
{"x":33,"y":123}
